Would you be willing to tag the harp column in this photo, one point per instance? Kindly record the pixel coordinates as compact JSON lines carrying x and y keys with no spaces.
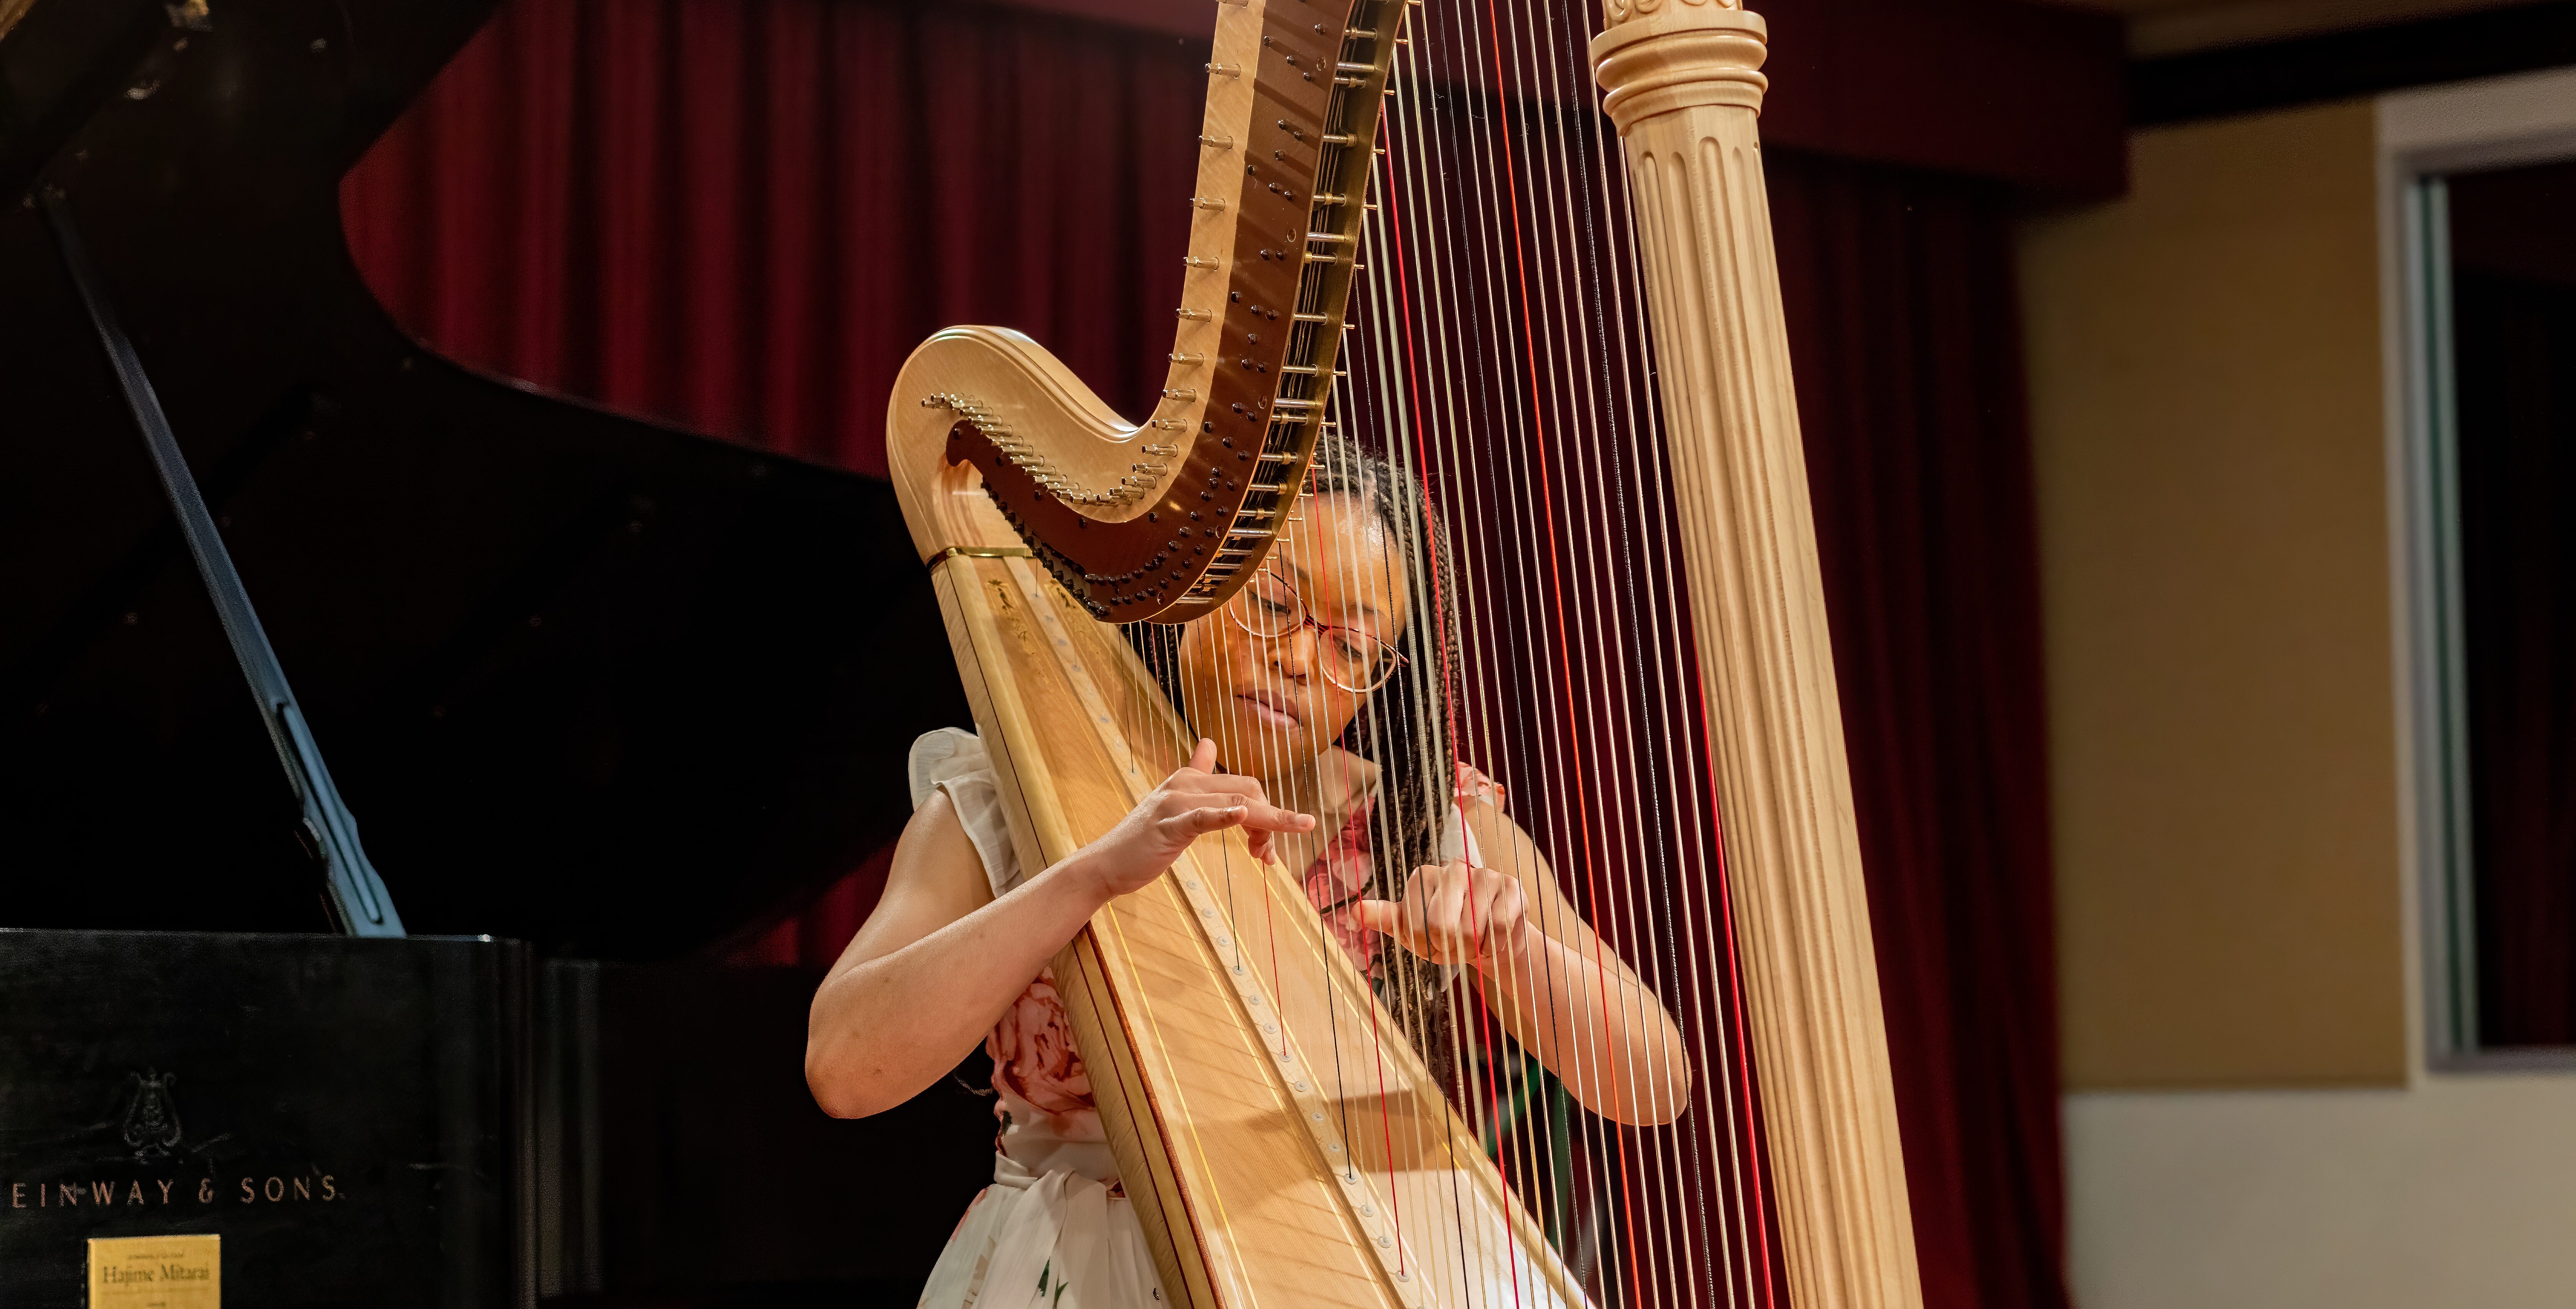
{"x":1683,"y":85}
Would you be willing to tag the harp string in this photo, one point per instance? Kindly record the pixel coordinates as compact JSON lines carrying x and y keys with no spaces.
{"x":1716,"y":978}
{"x":1392,"y":240}
{"x":1593,"y":463}
{"x":1719,"y":973}
{"x":1627,"y":612}
{"x":1145,"y":724}
{"x":1418,"y":460}
{"x":1714,"y":974}
{"x":1465,"y":426}
{"x":1273,"y":762}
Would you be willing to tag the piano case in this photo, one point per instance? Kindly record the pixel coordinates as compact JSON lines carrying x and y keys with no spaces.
{"x":344,"y":1113}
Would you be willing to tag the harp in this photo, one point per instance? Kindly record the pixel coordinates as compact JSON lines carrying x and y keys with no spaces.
{"x":1284,"y":1139}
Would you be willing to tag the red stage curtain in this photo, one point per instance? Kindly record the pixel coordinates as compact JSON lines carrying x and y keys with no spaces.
{"x":1904,"y":333}
{"x":740,"y":215}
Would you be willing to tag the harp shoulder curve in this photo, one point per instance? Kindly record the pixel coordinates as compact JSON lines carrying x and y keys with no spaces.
{"x":1024,"y":388}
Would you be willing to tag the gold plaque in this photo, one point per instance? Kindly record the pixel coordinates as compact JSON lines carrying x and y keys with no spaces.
{"x":155,"y":1272}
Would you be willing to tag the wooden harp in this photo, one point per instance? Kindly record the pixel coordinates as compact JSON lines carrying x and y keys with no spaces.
{"x":1272,"y":1155}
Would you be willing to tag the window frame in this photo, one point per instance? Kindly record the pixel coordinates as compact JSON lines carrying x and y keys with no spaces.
{"x":2423,"y":135}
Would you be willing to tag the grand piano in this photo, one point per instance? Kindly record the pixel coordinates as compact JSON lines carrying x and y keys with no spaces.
{"x":435,"y":1024}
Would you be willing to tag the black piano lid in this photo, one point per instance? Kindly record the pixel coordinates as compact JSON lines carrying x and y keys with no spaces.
{"x":584,"y":680}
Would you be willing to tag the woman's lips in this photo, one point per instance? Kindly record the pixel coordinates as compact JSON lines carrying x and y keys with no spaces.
{"x":1262,"y":710}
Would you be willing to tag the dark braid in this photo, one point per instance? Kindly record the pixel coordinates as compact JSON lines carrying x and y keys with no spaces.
{"x":1403,"y":728}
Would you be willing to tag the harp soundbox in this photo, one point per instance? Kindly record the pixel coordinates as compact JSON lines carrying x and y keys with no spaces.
{"x":1282,"y":1140}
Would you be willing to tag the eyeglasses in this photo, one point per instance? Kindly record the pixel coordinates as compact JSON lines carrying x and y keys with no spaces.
{"x":1351,"y":659}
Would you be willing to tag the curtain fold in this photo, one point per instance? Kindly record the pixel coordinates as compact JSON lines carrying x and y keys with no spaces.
{"x":1905,"y":338}
{"x":741,"y":215}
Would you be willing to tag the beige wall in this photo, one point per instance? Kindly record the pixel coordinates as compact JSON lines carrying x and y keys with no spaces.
{"x":2458,"y":1193}
{"x":2206,"y":415}
{"x":2250,"y":1126}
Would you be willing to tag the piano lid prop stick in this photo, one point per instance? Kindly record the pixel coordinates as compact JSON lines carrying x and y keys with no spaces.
{"x":356,"y":895}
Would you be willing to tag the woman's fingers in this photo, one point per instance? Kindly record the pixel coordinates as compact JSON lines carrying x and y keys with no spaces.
{"x":1383,"y":916}
{"x":1450,"y":913}
{"x":1448,"y":906}
{"x":1191,"y":824}
{"x":1203,"y":757}
{"x":1257,"y":813}
{"x":1497,"y":913}
{"x":1272,"y":818}
{"x":1233,"y":784}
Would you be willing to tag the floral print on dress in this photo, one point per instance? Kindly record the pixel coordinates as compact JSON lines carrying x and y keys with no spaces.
{"x":1335,"y":882}
{"x":1034,"y":1062}
{"x":1340,"y":875}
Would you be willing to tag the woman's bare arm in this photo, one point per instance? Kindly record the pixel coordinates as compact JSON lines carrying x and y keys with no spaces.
{"x":940,"y":958}
{"x":1568,"y":998}
{"x":933,"y":968}
{"x":1560,"y":991}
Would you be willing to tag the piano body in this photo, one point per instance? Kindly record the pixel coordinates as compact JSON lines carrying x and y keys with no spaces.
{"x":597,"y":693}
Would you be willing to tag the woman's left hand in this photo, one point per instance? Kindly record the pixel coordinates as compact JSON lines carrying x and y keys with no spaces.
{"x":1452,"y":913}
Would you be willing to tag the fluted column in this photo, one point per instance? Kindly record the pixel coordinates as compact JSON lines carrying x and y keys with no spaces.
{"x":1684,"y":88}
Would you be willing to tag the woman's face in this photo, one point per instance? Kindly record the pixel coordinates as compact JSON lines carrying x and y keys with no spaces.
{"x":1269,"y":704}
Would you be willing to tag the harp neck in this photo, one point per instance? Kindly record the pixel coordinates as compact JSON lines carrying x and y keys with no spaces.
{"x":1163,"y":518}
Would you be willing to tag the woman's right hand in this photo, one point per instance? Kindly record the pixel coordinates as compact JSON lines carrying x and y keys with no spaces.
{"x":1194,"y":801}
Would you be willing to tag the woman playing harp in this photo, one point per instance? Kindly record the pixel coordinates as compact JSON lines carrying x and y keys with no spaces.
{"x":1314,"y":695}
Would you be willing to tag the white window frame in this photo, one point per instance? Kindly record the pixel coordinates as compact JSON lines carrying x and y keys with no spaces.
{"x":2495,"y":123}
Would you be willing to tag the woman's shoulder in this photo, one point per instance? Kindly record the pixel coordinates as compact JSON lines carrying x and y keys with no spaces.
{"x":948,"y":754}
{"x":1476,"y":785}
{"x":954,"y":760}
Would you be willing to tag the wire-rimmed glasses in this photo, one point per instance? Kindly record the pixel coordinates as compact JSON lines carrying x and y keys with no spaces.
{"x":1353,"y":660}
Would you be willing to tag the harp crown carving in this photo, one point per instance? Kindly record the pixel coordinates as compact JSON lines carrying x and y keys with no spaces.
{"x":1663,"y":57}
